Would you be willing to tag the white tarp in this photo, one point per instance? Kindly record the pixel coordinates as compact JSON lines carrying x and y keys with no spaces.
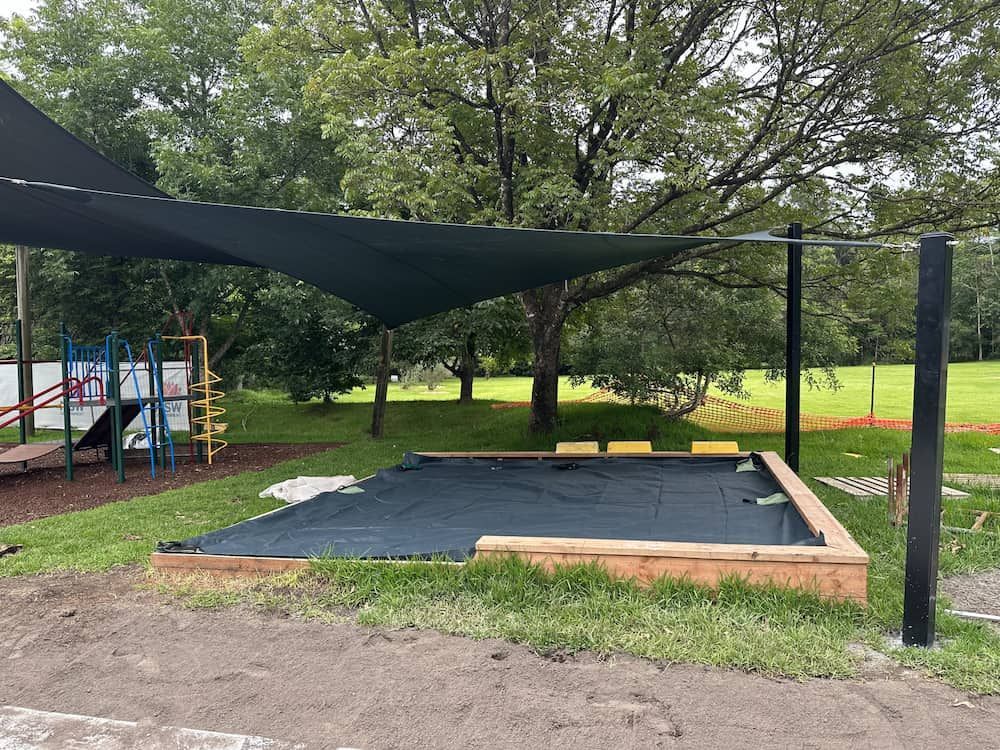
{"x":303,"y":488}
{"x":49,"y":373}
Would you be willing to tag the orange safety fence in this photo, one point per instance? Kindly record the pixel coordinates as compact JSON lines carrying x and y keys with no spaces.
{"x":723,"y":415}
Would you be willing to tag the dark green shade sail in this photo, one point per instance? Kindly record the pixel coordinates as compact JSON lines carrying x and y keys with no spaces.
{"x":57,"y":192}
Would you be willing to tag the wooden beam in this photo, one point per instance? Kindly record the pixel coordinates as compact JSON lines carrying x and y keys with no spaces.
{"x":224,"y":565}
{"x":22,"y":272}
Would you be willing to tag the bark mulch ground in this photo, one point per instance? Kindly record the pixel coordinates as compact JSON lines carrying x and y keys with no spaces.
{"x":43,"y":490}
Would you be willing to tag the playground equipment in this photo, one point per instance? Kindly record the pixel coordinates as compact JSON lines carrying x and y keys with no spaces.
{"x":108,"y":377}
{"x":205,"y":430}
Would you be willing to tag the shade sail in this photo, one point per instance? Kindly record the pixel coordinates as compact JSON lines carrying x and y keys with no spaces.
{"x":57,"y":192}
{"x":34,"y":147}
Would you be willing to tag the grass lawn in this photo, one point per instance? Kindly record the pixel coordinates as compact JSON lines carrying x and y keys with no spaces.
{"x":767,"y":630}
{"x":504,"y":388}
{"x":969,"y":383}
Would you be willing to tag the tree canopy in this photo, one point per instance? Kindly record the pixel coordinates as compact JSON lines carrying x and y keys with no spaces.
{"x":862,"y":118}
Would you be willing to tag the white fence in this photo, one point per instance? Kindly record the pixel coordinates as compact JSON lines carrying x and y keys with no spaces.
{"x":50,"y":373}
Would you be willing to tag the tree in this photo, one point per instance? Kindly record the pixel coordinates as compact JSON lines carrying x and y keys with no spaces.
{"x":622,"y":115}
{"x":460,"y":338}
{"x":667,"y":339}
{"x":976,"y":317}
{"x":162,"y":88}
{"x":312,"y":344}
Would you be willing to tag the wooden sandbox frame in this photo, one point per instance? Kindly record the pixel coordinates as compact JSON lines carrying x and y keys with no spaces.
{"x":838,"y":570}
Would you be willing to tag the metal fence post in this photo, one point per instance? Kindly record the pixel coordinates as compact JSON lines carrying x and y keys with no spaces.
{"x":793,"y":347}
{"x":923,"y":530}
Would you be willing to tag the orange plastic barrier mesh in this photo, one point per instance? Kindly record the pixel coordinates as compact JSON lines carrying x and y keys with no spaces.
{"x":722,"y":415}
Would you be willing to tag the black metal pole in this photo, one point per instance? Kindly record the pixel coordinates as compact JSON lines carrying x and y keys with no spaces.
{"x":793,"y":347}
{"x":927,"y":442}
{"x":871,"y":406}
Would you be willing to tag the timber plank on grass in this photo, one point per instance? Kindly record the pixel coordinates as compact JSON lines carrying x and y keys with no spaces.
{"x":878,"y":486}
{"x":989,"y":481}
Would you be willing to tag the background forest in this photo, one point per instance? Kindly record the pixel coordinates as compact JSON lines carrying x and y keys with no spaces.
{"x":860,"y":119}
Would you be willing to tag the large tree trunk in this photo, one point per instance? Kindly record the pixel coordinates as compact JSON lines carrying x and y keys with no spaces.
{"x":546,"y":310}
{"x":467,"y":369}
{"x":467,"y":376}
{"x":382,"y":383}
{"x":545,"y":385}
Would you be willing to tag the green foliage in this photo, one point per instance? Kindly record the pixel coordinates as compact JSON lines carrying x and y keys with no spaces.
{"x":459,"y":340}
{"x":312,"y":344}
{"x":705,"y":116}
{"x":668,"y":339}
{"x":975,"y":328}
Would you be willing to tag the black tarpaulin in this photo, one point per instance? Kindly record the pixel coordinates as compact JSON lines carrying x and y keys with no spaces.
{"x":443,"y":505}
{"x":57,"y":192}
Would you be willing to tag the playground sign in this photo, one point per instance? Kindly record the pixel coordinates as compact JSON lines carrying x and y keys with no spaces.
{"x":82,"y":417}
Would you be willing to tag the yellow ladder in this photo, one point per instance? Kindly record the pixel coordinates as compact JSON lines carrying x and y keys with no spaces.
{"x":207,"y":396}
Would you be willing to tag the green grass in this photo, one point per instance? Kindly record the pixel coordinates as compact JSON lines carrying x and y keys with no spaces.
{"x":968,"y":383}
{"x":756,"y":629}
{"x":504,"y":388}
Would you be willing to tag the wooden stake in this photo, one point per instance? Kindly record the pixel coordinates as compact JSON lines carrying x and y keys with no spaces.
{"x":980,"y":520}
{"x":900,"y":504}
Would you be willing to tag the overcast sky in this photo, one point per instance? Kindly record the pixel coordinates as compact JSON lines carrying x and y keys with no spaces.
{"x":15,"y":6}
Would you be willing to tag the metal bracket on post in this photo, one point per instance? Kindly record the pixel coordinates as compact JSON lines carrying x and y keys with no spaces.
{"x":930,"y":383}
{"x":793,"y":347}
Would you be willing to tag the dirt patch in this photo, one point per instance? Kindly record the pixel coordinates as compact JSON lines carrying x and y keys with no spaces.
{"x":974,"y":592}
{"x":43,"y":490}
{"x":94,"y":645}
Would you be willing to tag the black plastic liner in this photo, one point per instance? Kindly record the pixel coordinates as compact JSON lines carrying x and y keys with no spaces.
{"x":428,"y":507}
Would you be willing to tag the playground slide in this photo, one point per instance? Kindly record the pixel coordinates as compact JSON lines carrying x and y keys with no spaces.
{"x":98,"y":436}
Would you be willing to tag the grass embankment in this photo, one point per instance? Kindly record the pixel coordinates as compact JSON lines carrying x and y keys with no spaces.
{"x":757,"y":629}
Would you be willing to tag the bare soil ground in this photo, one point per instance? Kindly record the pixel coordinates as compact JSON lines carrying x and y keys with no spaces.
{"x":975,"y":592}
{"x":43,"y":490}
{"x":93,"y":644}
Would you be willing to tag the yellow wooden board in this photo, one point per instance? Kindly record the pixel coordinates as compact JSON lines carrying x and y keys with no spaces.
{"x":710,"y":447}
{"x":589,"y":446}
{"x":630,"y":446}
